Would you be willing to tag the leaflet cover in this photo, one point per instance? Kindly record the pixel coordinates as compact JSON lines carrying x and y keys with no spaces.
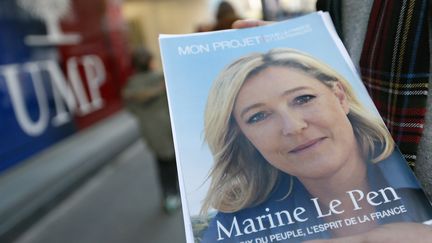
{"x":277,"y":139}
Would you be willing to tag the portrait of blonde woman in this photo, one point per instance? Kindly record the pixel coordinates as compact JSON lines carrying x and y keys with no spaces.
{"x":294,"y":148}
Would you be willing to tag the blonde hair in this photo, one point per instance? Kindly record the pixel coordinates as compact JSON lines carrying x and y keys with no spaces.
{"x":240,"y":176}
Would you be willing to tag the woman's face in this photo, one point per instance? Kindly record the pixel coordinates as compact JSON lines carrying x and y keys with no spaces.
{"x":297,"y":123}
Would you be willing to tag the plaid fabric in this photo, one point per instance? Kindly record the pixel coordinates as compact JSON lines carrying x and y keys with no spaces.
{"x":394,"y":65}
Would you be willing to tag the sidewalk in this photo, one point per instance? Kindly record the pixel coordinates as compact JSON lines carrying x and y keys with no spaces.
{"x":119,"y":204}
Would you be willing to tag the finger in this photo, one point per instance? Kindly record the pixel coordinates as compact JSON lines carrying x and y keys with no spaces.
{"x":247,"y":23}
{"x":351,"y":239}
{"x":317,"y":241}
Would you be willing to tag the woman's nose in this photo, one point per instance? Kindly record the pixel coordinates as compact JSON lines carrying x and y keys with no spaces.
{"x":292,"y":123}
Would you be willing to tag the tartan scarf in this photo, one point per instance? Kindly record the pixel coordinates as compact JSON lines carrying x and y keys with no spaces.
{"x":395,"y":69}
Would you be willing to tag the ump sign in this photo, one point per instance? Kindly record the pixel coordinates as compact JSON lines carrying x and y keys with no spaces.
{"x":57,"y":73}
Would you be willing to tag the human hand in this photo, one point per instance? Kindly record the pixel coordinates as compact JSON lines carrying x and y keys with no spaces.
{"x":248,"y":23}
{"x":395,"y":233}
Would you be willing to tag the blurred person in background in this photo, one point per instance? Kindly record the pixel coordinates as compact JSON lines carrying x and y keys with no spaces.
{"x":145,"y":97}
{"x":225,"y":17}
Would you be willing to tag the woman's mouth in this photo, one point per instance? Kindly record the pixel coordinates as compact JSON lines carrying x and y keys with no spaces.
{"x":307,"y":145}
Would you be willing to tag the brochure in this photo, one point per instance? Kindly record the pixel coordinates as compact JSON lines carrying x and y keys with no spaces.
{"x":277,"y":139}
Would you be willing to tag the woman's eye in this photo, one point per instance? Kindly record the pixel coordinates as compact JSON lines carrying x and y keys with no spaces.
{"x":303,"y":99}
{"x":257,"y":117}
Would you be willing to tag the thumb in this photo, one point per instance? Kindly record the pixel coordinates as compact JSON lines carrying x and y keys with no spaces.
{"x":248,"y":23}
